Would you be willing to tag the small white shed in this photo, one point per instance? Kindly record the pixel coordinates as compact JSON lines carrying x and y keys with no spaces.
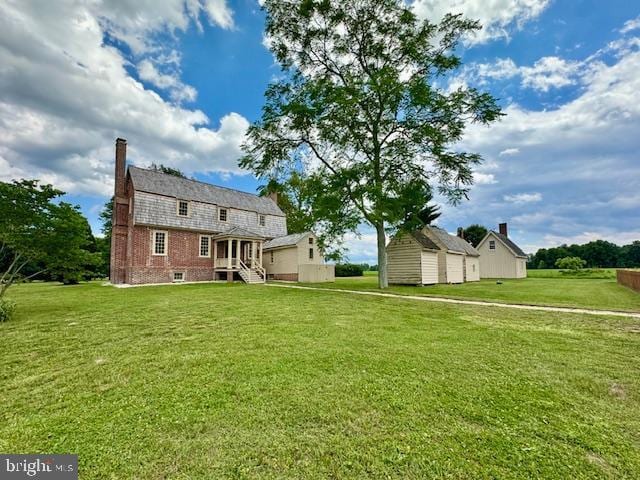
{"x":412,"y":259}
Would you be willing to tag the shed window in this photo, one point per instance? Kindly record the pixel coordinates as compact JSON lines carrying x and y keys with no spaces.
{"x":271,"y":257}
{"x":310,"y":240}
{"x":262,"y":220}
{"x":311,"y":254}
{"x":178,"y":276}
{"x":183,"y":208}
{"x":222,"y":215}
{"x":159,"y":243}
{"x":205,"y":250}
{"x":492,"y":244}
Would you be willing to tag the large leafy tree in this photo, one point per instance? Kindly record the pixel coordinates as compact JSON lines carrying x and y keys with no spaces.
{"x":362,"y":109}
{"x":475,"y":233}
{"x":307,"y":209}
{"x":37,"y":230}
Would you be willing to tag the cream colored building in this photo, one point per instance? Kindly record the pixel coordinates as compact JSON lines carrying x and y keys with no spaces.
{"x":430,"y":256}
{"x":458,"y":261}
{"x":500,"y":257}
{"x":297,"y":258}
{"x":412,"y":259}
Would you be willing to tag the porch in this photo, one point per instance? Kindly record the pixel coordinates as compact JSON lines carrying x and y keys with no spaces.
{"x":239,"y":252}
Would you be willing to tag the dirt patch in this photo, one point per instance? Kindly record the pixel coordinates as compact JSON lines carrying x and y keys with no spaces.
{"x":618,"y":391}
{"x":598,"y":460}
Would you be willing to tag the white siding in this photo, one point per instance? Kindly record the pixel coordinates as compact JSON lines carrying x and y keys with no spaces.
{"x":472,"y":269}
{"x":429,"y":267}
{"x":312,"y":273}
{"x":501,"y":262}
{"x":404,"y":260}
{"x":455,"y":271}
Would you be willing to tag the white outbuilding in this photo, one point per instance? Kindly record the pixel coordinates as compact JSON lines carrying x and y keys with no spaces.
{"x":500,"y":257}
{"x":458,"y":261}
{"x":412,"y":259}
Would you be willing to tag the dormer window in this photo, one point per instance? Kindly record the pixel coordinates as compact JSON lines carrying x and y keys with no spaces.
{"x":262,"y":220}
{"x":222,"y":214}
{"x":183,"y":208}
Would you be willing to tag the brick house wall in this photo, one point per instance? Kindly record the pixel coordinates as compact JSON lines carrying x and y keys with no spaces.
{"x":183,"y":249}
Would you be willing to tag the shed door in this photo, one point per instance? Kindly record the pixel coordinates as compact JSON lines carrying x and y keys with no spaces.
{"x":455,"y":272}
{"x":429,"y":268}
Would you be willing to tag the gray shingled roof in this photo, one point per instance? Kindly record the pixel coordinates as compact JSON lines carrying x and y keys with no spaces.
{"x":510,"y":244}
{"x":425,"y":241}
{"x":452,"y":242}
{"x":171,"y":186}
{"x":240,"y":233}
{"x":285,"y":241}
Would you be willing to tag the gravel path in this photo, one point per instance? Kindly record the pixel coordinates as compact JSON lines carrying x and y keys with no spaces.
{"x":610,"y":313}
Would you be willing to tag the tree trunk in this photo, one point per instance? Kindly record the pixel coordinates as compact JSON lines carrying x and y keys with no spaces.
{"x":383,"y":281}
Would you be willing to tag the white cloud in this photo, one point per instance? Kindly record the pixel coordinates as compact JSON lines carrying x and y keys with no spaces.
{"x":498,"y":17}
{"x":65,"y":95}
{"x":507,"y":152}
{"x":550,"y":72}
{"x":545,"y":74}
{"x":180,"y":92}
{"x":523,"y":197}
{"x":581,"y":158}
{"x":631,"y":25}
{"x":363,"y":247}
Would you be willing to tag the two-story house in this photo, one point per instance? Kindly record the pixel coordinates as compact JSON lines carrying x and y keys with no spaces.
{"x":172,"y":229}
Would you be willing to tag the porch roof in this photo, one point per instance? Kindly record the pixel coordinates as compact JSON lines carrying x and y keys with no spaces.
{"x":239,"y":232}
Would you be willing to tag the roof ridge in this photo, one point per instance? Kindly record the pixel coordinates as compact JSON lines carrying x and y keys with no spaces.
{"x":150,"y":170}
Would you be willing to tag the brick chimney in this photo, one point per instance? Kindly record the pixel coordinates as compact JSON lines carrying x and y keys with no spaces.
{"x":120,"y":220}
{"x":121,"y":167}
{"x":461,"y":232}
{"x":273,"y":196}
{"x":503,"y":229}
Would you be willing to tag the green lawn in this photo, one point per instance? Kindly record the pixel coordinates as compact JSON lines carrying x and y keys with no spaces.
{"x":216,"y":381}
{"x":599,"y":273}
{"x":554,"y":290}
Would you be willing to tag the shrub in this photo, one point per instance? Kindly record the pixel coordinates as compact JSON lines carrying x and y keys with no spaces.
{"x":349,"y":270}
{"x":570,"y":263}
{"x":7,"y":308}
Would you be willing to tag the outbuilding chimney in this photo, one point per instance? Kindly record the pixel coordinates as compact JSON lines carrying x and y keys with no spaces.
{"x":461,"y":232}
{"x":121,"y":167}
{"x":273,"y":196}
{"x":503,"y":229}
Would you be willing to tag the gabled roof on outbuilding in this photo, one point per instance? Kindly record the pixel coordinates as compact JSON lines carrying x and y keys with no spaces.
{"x":451,"y":242}
{"x":160,"y":183}
{"x":424,"y":241}
{"x":515,"y":249}
{"x":286,"y":241}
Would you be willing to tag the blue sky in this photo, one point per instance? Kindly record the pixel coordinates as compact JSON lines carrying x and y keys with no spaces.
{"x":181,"y":81}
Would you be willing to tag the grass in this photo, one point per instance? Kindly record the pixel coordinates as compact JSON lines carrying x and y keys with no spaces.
{"x":551,"y":289}
{"x":597,"y":273}
{"x":216,"y":381}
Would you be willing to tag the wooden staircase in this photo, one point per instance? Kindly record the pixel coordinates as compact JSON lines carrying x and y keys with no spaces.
{"x":256,"y":274}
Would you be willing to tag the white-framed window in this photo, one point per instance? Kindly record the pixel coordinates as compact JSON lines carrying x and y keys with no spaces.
{"x":205,"y":246}
{"x":159,"y":240}
{"x":222,"y":214}
{"x":182,"y":208}
{"x":492,"y":244}
{"x":271,"y":257}
{"x":311,"y":254}
{"x":473,"y":267}
{"x":310,"y":240}
{"x":262,"y":220}
{"x":178,"y":276}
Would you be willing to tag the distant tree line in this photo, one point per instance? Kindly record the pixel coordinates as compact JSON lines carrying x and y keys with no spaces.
{"x":596,"y":254}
